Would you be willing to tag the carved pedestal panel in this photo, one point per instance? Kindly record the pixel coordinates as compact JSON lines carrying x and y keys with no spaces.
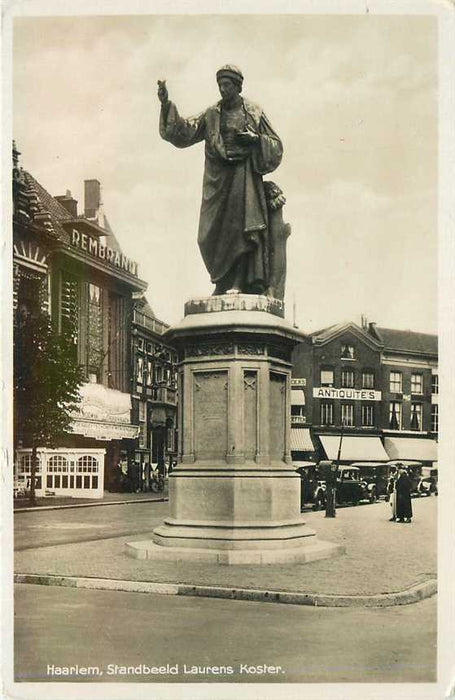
{"x":234,"y":496}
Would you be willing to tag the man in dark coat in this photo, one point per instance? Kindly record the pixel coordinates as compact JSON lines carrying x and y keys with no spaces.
{"x":404,"y":506}
{"x":240,"y":147}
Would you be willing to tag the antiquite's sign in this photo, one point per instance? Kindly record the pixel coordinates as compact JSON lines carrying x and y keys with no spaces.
{"x":352,"y":394}
{"x":103,"y":252}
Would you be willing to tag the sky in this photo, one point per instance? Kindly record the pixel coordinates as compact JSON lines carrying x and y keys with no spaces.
{"x":353,"y":97}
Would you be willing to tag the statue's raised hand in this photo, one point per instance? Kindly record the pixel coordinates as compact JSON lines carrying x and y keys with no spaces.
{"x":163,"y":95}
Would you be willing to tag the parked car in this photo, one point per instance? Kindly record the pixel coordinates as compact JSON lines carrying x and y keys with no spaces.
{"x":376,"y":475}
{"x":428,"y":482}
{"x":312,"y":486}
{"x":350,"y":488}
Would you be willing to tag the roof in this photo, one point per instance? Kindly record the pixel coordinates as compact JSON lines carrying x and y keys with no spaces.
{"x":408,"y":341}
{"x":331,"y":332}
{"x":42,"y":202}
{"x":58,"y":219}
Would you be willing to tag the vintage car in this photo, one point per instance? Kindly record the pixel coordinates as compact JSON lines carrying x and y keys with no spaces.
{"x":376,"y":475}
{"x":350,"y":488}
{"x":428,"y":482}
{"x":311,"y":482}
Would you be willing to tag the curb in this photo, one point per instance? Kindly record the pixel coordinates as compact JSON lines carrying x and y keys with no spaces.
{"x":412,"y":594}
{"x":91,"y":505}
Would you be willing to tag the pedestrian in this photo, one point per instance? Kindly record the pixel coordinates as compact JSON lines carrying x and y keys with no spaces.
{"x":392,"y":492}
{"x":403,"y":490}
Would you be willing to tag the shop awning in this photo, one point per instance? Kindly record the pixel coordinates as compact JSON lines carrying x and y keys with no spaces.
{"x":423,"y":449}
{"x":301,"y":440}
{"x":297,"y":397}
{"x":354,"y":448}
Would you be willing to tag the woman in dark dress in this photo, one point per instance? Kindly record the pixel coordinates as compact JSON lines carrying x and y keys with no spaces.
{"x":403,"y":489}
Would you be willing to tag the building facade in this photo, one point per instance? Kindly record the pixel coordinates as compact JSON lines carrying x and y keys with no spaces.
{"x":72,"y":266}
{"x":371,"y":390}
{"x":154,"y":395}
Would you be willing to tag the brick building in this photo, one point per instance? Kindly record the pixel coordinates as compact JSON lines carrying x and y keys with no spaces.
{"x":379,"y":384}
{"x":72,"y":266}
{"x":154,"y":393}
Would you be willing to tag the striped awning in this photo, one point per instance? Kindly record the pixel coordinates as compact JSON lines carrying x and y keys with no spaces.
{"x":301,"y":440}
{"x":354,"y":448}
{"x":423,"y":449}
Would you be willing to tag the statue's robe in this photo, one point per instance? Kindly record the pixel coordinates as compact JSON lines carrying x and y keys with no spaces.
{"x":234,"y":218}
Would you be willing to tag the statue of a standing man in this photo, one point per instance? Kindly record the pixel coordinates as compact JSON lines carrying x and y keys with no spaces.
{"x":240,"y":147}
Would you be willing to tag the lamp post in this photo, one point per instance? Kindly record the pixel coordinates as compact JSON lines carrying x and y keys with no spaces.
{"x":331,"y":480}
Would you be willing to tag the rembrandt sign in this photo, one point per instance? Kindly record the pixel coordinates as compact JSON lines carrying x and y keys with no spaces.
{"x":352,"y":394}
{"x":103,"y":252}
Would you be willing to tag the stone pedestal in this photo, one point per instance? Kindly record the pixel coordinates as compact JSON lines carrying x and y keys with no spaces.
{"x":234,"y":496}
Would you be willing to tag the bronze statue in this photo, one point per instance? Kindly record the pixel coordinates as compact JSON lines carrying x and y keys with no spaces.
{"x":241,"y":232}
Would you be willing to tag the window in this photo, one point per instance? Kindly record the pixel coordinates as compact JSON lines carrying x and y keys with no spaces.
{"x":142,"y":424}
{"x":367,"y":379}
{"x":347,"y":378}
{"x":326,"y":377}
{"x":416,"y":384}
{"x":87,"y":464}
{"x":171,"y":439}
{"x":326,"y":413}
{"x":416,"y":416}
{"x":435,"y":384}
{"x":395,"y":415}
{"x":347,"y":413}
{"x":142,"y":410}
{"x":434,"y":418}
{"x":140,"y":343}
{"x":297,"y":410}
{"x":149,"y":373}
{"x":140,"y":370}
{"x":95,"y":354}
{"x":347,"y":352}
{"x":396,"y":382}
{"x":69,"y":299}
{"x":367,"y":415}
{"x":297,"y":414}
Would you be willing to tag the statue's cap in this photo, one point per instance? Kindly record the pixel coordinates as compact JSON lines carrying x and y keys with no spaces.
{"x":231,"y":72}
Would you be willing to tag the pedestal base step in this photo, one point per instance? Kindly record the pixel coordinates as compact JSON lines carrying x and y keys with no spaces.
{"x":147,"y":549}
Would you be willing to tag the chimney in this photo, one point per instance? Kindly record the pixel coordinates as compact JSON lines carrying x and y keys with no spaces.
{"x":68,"y":202}
{"x":92,"y":198}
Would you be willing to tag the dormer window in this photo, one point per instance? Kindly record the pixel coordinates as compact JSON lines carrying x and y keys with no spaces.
{"x":347,"y":352}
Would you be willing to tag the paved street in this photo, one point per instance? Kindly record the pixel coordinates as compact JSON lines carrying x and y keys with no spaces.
{"x":380,"y":556}
{"x":68,"y":627}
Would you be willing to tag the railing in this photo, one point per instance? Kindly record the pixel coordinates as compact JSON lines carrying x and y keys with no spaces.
{"x":152,"y":324}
